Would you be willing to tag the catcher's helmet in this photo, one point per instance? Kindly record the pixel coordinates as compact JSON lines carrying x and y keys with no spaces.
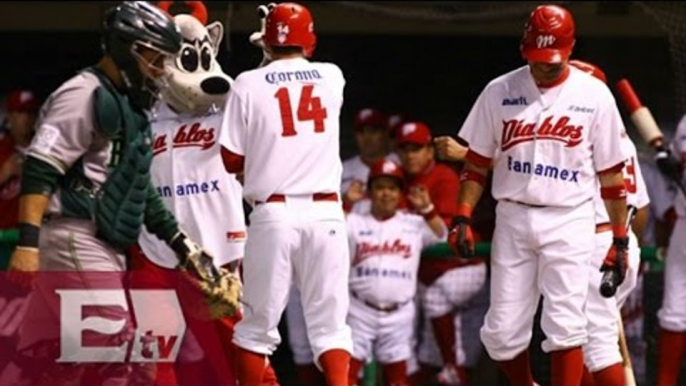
{"x":129,"y":27}
{"x":386,"y":168}
{"x":548,"y":35}
{"x":589,"y":68}
{"x":290,"y":24}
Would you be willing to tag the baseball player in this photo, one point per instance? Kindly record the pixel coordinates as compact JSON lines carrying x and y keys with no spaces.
{"x":373,"y":132}
{"x":447,"y":284}
{"x":601,"y":354}
{"x":385,"y":245}
{"x":22,"y":111}
{"x":281,"y":128}
{"x":86,"y":190}
{"x":672,"y":314}
{"x":549,"y":131}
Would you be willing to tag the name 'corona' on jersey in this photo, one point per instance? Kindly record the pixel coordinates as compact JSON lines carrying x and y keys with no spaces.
{"x":518,"y":131}
{"x":290,"y":76}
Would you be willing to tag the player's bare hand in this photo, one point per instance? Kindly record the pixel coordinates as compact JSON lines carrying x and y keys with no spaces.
{"x":23,"y":264}
{"x":356,"y":192}
{"x":419,"y":197}
{"x":448,"y":149}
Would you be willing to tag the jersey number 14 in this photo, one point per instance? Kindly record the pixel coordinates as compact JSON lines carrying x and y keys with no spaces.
{"x":309,"y":109}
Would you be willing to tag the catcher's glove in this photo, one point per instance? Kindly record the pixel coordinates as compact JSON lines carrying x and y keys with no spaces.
{"x":220,"y":288}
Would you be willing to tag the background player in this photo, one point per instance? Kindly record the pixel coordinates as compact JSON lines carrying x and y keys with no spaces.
{"x":601,"y":354}
{"x":549,"y":131}
{"x":281,"y":127}
{"x":446,"y":285}
{"x":385,"y":247}
{"x":672,"y":315}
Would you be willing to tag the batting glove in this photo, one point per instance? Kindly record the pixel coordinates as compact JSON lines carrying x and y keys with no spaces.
{"x":617,"y":259}
{"x":461,"y":238}
{"x":668,"y":165}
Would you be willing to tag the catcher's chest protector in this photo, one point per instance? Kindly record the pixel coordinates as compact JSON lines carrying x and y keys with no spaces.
{"x":118,"y":207}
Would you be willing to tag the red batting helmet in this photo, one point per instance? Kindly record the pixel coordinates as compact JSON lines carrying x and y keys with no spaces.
{"x":589,"y":68}
{"x":386,"y":168}
{"x":290,"y":24}
{"x":548,"y":35}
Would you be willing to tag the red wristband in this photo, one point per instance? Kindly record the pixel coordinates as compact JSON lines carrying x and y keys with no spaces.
{"x":619,"y":231}
{"x":477,"y":159}
{"x":613,"y":192}
{"x":464,"y":210}
{"x":471,"y":175}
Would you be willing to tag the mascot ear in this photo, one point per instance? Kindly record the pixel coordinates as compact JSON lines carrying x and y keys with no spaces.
{"x":216,"y":31}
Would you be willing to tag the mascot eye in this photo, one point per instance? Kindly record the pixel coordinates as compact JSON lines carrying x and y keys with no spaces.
{"x":206,"y":58}
{"x":188,"y":60}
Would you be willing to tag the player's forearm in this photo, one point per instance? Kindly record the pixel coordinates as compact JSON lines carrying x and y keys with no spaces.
{"x":158,"y":220}
{"x":32,"y":208}
{"x":472,"y":186}
{"x":613,"y":192}
{"x":437,"y":226}
{"x":640,"y":221}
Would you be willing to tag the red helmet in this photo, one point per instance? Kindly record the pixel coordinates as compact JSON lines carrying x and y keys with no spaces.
{"x":386,"y":168}
{"x":290,"y":24}
{"x":548,"y":35}
{"x":589,"y":68}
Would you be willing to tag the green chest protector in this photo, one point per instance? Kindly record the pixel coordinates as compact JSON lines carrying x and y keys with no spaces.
{"x":118,"y":207}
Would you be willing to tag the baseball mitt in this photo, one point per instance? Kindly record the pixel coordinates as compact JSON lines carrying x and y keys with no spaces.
{"x":220,"y":288}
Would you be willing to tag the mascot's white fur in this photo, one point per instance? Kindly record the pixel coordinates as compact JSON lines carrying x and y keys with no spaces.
{"x":197,"y":83}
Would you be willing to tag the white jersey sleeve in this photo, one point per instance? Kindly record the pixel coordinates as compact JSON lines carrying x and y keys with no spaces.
{"x":66,"y":124}
{"x":234,"y":124}
{"x":478,"y":129}
{"x":607,"y":133}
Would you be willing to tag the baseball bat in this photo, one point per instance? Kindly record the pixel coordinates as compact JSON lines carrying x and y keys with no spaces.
{"x":643,"y":119}
{"x":610,"y":279}
{"x":626,"y":356}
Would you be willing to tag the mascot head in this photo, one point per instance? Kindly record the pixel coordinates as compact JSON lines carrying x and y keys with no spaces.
{"x":196,"y":80}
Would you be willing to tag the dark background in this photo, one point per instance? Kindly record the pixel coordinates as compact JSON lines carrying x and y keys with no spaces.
{"x":430,"y":78}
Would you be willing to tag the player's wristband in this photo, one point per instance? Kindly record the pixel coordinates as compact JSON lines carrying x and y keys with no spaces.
{"x":29,"y":235}
{"x":613,"y":192}
{"x":471,"y":175}
{"x":464,"y":210}
{"x":619,"y":232}
{"x":429,"y":212}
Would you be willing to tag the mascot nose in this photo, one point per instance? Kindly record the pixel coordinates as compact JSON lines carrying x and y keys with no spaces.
{"x":215,"y":85}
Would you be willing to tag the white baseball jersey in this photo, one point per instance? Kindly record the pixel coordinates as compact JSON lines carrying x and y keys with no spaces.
{"x":385,"y":255}
{"x":284,"y":118}
{"x":679,"y":150}
{"x":637,"y":193}
{"x":189,"y":174}
{"x":547,"y":145}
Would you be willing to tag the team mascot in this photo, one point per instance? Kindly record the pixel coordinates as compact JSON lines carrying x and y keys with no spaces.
{"x":188,"y":172}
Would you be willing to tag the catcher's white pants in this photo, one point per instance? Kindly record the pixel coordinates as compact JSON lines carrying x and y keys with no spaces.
{"x":538,"y":251}
{"x":602,"y":349}
{"x":304,"y":242}
{"x":672,"y":315}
